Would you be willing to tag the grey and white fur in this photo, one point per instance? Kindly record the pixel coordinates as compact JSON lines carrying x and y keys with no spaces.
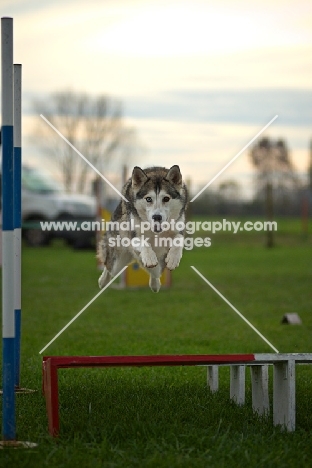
{"x":155,"y":195}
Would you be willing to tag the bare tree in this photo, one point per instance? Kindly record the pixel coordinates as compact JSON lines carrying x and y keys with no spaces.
{"x":94,"y":125}
{"x":275,"y":173}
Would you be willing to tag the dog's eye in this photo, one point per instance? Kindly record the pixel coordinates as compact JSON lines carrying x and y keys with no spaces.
{"x":166,"y":199}
{"x":148,"y":199}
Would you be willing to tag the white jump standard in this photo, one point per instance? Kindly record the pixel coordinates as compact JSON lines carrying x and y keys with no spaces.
{"x":11,"y":235}
{"x":8,"y":322}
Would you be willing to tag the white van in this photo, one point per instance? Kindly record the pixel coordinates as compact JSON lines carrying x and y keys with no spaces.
{"x":43,"y":199}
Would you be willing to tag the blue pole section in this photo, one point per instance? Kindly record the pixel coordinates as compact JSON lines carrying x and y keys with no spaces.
{"x":8,"y":325}
{"x":17,"y":215}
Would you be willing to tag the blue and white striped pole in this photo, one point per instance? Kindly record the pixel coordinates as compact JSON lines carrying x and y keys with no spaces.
{"x":8,"y":322}
{"x":17,"y":215}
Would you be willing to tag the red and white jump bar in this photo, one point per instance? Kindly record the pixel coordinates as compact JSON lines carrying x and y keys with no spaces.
{"x":284,"y":406}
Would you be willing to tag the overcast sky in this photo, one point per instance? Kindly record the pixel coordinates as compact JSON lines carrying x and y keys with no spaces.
{"x":197,"y":78}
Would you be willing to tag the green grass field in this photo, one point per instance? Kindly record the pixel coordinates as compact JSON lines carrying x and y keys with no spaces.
{"x":164,"y":417}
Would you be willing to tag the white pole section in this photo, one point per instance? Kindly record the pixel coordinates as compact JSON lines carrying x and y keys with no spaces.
{"x":8,"y":325}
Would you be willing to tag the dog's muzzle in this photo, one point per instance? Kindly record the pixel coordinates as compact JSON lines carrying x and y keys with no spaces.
{"x":156,"y":226}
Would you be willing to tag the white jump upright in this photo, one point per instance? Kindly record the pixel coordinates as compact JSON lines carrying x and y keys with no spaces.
{"x":237,"y":384}
{"x":213,"y":378}
{"x":8,"y":319}
{"x":17,"y":215}
{"x":260,"y":389}
{"x":284,"y":394}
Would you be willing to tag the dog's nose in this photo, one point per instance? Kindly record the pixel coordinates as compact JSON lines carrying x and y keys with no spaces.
{"x":157,"y":218}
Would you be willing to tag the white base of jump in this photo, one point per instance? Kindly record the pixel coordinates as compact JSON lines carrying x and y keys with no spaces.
{"x":284,"y":385}
{"x":237,"y":384}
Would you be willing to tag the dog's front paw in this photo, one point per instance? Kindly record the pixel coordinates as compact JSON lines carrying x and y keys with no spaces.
{"x":173,"y":258}
{"x":149,"y":258}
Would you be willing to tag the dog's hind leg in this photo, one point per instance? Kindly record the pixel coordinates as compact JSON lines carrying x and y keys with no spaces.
{"x":104,"y":278}
{"x":154,"y":284}
{"x":154,"y":280}
{"x":117,"y":266}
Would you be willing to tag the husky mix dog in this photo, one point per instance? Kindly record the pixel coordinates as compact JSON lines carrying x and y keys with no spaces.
{"x":149,"y":227}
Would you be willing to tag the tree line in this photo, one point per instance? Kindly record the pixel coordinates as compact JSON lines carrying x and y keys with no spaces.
{"x":277,"y":187}
{"x":95,"y":125}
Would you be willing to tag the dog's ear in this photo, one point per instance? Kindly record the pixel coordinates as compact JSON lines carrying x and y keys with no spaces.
{"x":138,"y":178}
{"x":174,"y":175}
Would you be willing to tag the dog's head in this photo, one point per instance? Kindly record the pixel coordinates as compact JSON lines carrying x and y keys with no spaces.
{"x":158,"y":194}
